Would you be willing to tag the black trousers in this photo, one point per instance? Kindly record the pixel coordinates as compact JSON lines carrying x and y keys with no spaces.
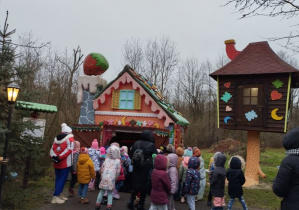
{"x":210,"y":195}
{"x":73,"y":180}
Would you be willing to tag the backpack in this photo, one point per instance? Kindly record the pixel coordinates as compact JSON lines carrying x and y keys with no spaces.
{"x":138,"y":157}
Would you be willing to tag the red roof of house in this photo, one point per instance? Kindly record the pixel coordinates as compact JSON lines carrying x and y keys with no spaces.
{"x":256,"y":58}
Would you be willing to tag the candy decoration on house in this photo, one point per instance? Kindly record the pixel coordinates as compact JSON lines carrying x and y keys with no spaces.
{"x":94,"y":65}
{"x":256,"y":82}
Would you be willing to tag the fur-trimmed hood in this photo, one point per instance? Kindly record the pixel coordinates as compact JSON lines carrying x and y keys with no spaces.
{"x":62,"y":138}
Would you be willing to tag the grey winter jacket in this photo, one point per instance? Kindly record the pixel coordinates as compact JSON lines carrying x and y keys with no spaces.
{"x":218,"y":176}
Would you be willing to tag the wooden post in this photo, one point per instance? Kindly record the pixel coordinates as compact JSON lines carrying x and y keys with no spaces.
{"x":253,"y":170}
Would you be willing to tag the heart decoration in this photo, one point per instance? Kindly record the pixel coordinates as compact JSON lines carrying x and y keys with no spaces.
{"x":228,"y":108}
{"x":275,"y":95}
{"x":227,"y":85}
{"x":150,"y":123}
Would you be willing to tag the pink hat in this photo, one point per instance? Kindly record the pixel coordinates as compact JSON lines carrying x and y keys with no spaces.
{"x":103,"y":151}
{"x":95,"y":144}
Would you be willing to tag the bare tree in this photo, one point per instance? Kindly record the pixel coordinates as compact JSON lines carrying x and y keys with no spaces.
{"x":272,"y":8}
{"x":162,"y":59}
{"x":133,"y":54}
{"x":157,"y":61}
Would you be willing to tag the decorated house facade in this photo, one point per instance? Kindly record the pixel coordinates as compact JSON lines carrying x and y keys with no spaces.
{"x":121,"y":110}
{"x":130,"y":104}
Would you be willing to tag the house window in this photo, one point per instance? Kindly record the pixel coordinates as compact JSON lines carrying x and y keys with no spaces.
{"x":250,"y":96}
{"x":126,"y":99}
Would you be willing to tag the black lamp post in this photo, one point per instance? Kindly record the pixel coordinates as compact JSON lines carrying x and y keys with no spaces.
{"x":12,"y":94}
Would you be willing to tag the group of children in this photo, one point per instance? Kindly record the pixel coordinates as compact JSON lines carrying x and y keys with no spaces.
{"x":186,"y":179}
{"x":177,"y":174}
{"x":95,"y":168}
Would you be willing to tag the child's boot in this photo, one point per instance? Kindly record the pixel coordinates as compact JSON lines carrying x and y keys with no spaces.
{"x":98,"y":206}
{"x":85,"y":200}
{"x":71,"y":192}
{"x":109,"y":207}
{"x":130,"y":204}
{"x":115,"y":194}
{"x":140,"y":207}
{"x":182,"y":199}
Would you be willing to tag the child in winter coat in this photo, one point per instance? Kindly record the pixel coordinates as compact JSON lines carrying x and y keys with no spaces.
{"x":192,"y":182}
{"x":160,"y":184}
{"x":126,"y":164}
{"x":202,"y":171}
{"x":173,"y":176}
{"x":103,"y":156}
{"x":76,"y":153}
{"x":211,"y":169}
{"x":182,"y":175}
{"x":180,"y":152}
{"x":236,"y":179}
{"x":188,"y":152}
{"x":85,"y":172}
{"x":109,"y":174}
{"x":94,"y":154}
{"x":218,"y":180}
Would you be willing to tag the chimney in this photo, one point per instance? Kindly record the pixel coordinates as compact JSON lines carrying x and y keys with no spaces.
{"x":230,"y":49}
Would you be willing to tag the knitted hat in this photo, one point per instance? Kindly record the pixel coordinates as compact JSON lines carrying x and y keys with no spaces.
{"x":65,"y":128}
{"x":77,"y":146}
{"x":125,"y":149}
{"x":196,"y":152}
{"x":95,"y":144}
{"x":84,"y":150}
{"x":115,"y":144}
{"x":170,"y":148}
{"x":179,"y":151}
{"x":103,"y":150}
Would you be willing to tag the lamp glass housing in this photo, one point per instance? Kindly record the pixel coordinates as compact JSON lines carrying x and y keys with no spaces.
{"x":12,"y":92}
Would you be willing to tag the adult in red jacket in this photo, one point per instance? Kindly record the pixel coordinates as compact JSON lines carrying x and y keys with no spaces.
{"x":61,"y":154}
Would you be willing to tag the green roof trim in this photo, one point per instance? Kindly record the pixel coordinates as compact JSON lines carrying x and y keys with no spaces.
{"x":35,"y":107}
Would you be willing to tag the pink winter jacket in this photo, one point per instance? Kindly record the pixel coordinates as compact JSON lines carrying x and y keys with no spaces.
{"x":173,"y":172}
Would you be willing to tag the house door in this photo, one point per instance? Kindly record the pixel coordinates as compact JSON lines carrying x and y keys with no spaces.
{"x":250,"y":105}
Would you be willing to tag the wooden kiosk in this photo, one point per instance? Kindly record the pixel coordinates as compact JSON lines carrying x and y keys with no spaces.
{"x":254,"y":95}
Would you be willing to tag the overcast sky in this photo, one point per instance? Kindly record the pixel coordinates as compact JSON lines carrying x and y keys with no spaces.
{"x":198,"y":27}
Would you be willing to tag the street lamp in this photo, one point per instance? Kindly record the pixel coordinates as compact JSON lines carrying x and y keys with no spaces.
{"x":12,"y":94}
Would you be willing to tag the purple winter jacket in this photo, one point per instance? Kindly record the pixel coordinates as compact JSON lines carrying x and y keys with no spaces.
{"x":173,"y":172}
{"x":160,"y":181}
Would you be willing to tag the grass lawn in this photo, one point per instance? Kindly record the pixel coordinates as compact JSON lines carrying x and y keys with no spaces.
{"x":260,"y":196}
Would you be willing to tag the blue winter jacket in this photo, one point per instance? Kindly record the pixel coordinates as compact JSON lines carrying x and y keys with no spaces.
{"x":192,"y":177}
